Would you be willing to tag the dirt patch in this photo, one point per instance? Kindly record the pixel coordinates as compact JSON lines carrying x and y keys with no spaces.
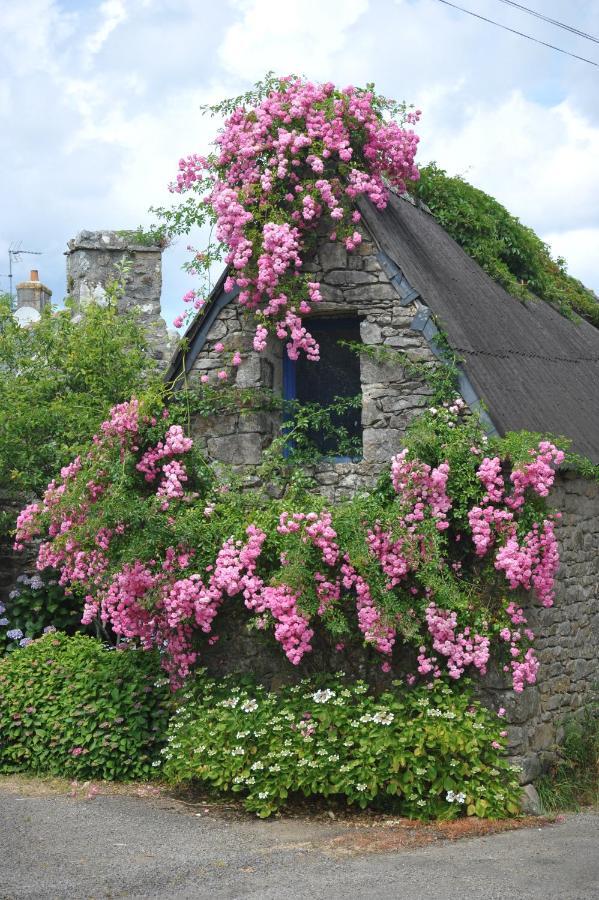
{"x":406,"y":834}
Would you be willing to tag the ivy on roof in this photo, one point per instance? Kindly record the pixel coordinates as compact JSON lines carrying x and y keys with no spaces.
{"x":510,"y":252}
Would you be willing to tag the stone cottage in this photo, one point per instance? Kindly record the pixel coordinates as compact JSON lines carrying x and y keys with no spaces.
{"x":523,"y":366}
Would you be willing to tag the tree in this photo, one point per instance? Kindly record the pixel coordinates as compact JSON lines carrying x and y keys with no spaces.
{"x":60,"y":376}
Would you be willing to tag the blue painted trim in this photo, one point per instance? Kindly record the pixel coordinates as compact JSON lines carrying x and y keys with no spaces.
{"x":289,"y":393}
{"x":407,"y":294}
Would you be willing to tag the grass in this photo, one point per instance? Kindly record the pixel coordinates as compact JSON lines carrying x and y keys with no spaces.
{"x":573,"y":782}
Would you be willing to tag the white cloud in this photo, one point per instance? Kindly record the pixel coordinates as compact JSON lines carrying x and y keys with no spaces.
{"x":288,"y":37}
{"x":112,"y":13}
{"x":540,"y":161}
{"x":580,"y":247}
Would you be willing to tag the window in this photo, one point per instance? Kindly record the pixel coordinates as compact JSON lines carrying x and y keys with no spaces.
{"x":337,"y":374}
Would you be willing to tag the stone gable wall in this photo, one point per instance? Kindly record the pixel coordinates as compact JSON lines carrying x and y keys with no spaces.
{"x":351,"y":284}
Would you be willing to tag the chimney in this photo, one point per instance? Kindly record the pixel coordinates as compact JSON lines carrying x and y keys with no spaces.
{"x":93,"y":258}
{"x":32,"y":295}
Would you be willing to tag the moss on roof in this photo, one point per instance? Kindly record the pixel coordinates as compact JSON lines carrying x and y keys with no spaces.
{"x":510,"y":252}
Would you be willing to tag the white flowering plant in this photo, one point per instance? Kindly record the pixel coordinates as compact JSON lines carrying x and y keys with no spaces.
{"x":431,"y":752}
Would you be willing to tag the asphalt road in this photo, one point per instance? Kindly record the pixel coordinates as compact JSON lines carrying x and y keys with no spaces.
{"x":121,"y":846}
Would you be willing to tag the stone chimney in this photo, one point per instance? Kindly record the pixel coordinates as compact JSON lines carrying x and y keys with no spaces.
{"x":93,"y":258}
{"x":32,"y":298}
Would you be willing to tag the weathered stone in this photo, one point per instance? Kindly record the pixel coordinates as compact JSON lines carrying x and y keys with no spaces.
{"x":350,"y":277}
{"x":543,"y":737}
{"x":370,"y":332}
{"x":530,"y":802}
{"x":239,"y":449}
{"x":530,"y":767}
{"x":371,"y":292}
{"x":93,"y":259}
{"x":332,"y":255}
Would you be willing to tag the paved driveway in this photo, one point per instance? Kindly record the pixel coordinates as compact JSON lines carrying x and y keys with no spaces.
{"x":123,"y":846}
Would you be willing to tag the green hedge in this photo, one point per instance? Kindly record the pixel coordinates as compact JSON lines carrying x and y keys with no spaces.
{"x":427,"y":753}
{"x":71,"y":707}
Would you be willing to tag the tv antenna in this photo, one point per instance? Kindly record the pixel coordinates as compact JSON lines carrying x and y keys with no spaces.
{"x":14,"y":252}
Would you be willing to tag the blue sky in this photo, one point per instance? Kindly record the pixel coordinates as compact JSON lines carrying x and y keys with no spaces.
{"x":98,"y":101}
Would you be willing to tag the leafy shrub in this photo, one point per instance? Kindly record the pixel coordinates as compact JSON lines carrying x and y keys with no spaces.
{"x":70,"y":707}
{"x":36,"y":603}
{"x":429,"y":753}
{"x":574,"y":779}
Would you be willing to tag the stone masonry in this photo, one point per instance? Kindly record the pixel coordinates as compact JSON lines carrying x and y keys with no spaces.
{"x":92,"y":261}
{"x":351,"y":284}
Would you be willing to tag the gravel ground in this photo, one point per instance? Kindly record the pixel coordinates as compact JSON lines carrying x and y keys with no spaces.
{"x":126,"y":846}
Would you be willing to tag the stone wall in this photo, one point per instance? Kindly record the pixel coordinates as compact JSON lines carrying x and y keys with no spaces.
{"x":351,"y":284}
{"x":92,"y":260}
{"x":567,"y":636}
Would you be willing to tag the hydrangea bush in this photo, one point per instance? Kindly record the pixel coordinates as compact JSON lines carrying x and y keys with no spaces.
{"x":37,"y":604}
{"x":154,"y":546}
{"x":72,"y":708}
{"x":427,"y":753}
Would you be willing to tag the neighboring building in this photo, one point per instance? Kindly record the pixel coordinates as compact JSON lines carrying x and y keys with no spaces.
{"x":32,"y":298}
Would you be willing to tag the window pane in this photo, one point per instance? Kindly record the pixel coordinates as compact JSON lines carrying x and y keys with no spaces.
{"x":337,"y":374}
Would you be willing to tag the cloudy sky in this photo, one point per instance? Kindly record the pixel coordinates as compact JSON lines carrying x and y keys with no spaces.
{"x":98,"y":100}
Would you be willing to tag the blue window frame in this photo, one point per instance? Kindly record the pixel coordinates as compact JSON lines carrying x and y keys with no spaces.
{"x":337,"y":374}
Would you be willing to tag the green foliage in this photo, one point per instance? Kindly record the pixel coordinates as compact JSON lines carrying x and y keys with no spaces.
{"x":70,"y":707}
{"x":510,"y":252}
{"x":425,"y":753}
{"x":59,"y":378}
{"x":34,"y":604}
{"x":294,"y":448}
{"x":574,"y":780}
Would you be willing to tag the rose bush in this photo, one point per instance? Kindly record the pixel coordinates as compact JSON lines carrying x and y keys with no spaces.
{"x":154,"y":545}
{"x":291,"y":156}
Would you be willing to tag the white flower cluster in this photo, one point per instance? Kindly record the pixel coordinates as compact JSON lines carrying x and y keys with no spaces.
{"x":383,"y":718}
{"x":323,"y":696}
{"x":452,"y":797}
